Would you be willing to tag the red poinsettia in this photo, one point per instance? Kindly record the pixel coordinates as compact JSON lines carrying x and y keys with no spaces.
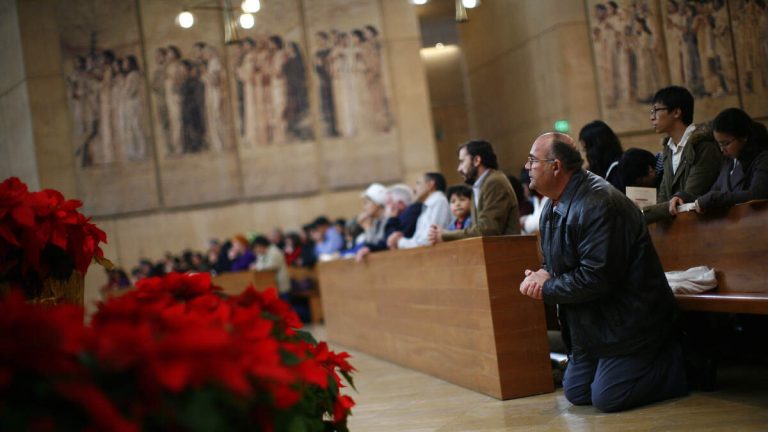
{"x":38,"y":340}
{"x":172,"y":353}
{"x":43,"y":233}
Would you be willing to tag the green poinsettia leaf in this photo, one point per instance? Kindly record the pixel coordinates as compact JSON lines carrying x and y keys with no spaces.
{"x":336,"y":427}
{"x":306,"y":337}
{"x":201,"y":413}
{"x":289,"y":358}
{"x":296,"y":424}
{"x":347,"y":376}
{"x":332,"y":387}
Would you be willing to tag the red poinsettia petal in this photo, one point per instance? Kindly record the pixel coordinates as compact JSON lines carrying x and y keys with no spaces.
{"x":342,"y":407}
{"x":24,"y":216}
{"x":8,"y":235}
{"x":340,"y":361}
{"x":285,"y":397}
{"x":173,"y":375}
{"x":101,"y":410}
{"x":5,"y":377}
{"x":233,"y":379}
{"x":13,"y":186}
{"x":313,"y":373}
{"x":59,"y":237}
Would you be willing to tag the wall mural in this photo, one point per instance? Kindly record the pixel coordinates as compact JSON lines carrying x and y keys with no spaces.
{"x":629,"y":56}
{"x":700,"y":53}
{"x":106,"y":96}
{"x":171,"y":117}
{"x":269,"y":69}
{"x":348,"y":67}
{"x":190,"y":94}
{"x":699,"y":46}
{"x":750,"y":32}
{"x":633,"y":58}
{"x":190,"y":91}
{"x":352,"y":88}
{"x":272,"y":95}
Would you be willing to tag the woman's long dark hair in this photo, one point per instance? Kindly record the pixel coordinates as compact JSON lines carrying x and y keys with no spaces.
{"x":737,"y":123}
{"x":601,"y":145}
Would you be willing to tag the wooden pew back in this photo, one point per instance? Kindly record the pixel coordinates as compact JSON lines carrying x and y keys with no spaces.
{"x":236,"y":282}
{"x":453,"y":310}
{"x":733,"y":242}
{"x":312,"y":295}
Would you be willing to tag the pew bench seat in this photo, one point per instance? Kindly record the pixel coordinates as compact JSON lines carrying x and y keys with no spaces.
{"x":730,"y":302}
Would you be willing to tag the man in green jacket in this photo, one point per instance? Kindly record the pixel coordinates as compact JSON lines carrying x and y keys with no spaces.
{"x":691,"y":156}
{"x":494,"y":203}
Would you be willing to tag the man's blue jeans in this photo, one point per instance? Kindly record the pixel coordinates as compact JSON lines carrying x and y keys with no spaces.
{"x":619,"y":383}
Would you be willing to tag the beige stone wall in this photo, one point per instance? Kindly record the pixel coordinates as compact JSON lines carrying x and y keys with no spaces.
{"x":529,"y":64}
{"x":47,"y":96}
{"x":150,"y":234}
{"x":17,"y":152}
{"x":445,"y":75}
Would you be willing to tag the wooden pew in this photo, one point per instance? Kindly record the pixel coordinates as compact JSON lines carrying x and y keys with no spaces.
{"x":733,"y":242}
{"x":236,"y":282}
{"x":313,"y":295}
{"x":453,"y":310}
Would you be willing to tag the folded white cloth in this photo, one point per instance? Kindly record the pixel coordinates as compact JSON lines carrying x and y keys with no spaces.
{"x":692,"y":281}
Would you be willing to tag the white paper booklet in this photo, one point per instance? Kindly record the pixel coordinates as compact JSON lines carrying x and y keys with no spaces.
{"x":641,"y":196}
{"x":682,"y":208}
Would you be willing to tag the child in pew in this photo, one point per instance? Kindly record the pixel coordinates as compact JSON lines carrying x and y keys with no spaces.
{"x":638,"y":168}
{"x":459,"y":197}
{"x":744,"y":174}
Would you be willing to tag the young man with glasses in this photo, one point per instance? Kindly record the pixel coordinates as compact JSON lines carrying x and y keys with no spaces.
{"x":690,"y":155}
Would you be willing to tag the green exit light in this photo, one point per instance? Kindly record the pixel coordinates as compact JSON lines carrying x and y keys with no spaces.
{"x":562,"y":126}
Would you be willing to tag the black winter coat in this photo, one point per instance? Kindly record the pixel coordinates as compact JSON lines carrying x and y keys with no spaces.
{"x":612,"y":295}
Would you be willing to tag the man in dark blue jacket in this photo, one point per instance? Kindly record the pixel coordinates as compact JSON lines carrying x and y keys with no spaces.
{"x":616,"y":309}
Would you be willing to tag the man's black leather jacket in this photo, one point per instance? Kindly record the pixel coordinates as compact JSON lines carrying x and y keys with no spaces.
{"x":612,"y":295}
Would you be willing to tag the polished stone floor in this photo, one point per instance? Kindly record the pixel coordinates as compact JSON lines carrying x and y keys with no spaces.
{"x":393,"y":398}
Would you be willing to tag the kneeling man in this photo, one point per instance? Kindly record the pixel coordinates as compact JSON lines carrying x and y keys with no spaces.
{"x":615,"y":307}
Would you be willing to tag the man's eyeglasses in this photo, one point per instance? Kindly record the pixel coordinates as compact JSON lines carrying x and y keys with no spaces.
{"x":654,"y":110}
{"x":724,"y":144}
{"x":532,"y":160}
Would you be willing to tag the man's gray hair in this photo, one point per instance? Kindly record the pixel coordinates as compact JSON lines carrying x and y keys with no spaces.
{"x":563,"y":150}
{"x":401,"y":193}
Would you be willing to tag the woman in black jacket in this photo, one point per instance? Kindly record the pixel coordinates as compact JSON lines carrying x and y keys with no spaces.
{"x":744,"y":175}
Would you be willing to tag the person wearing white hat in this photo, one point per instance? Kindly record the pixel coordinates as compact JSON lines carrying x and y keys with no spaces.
{"x":372,"y":218}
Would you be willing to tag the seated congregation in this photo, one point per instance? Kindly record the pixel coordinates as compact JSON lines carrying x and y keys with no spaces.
{"x":601,"y":265}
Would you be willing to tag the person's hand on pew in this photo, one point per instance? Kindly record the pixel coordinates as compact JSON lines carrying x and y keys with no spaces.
{"x":533,"y":283}
{"x":673,"y":203}
{"x":435,"y":234}
{"x":362,"y":253}
{"x":393,"y":239}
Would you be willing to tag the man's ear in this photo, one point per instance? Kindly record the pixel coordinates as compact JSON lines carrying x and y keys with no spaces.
{"x":677,"y":113}
{"x":477,"y":160}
